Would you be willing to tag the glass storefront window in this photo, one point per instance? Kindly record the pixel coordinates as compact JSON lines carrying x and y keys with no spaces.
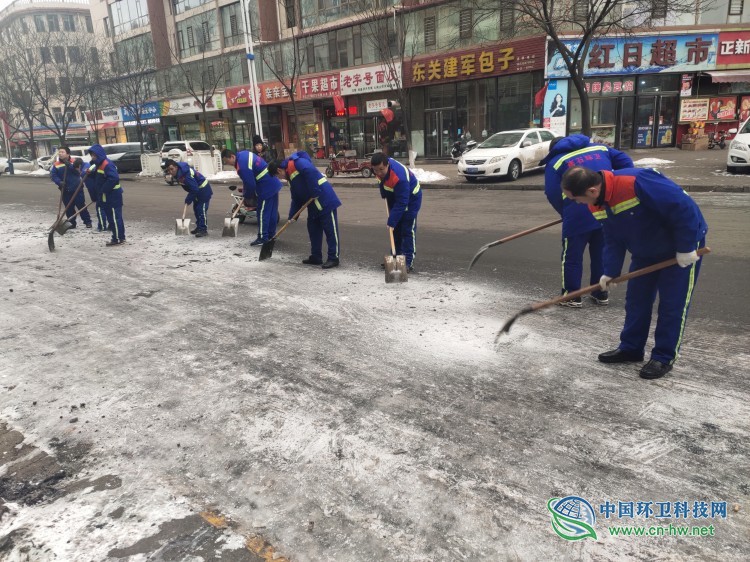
{"x":515,"y":97}
{"x":655,"y":83}
{"x":476,"y":109}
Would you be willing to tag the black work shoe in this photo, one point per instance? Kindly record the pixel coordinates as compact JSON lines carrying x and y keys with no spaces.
{"x":258,"y":242}
{"x":194,"y":231}
{"x":88,"y":225}
{"x":620,"y":356}
{"x":115,"y":242}
{"x":201,"y":233}
{"x":382,"y":266}
{"x":312,"y":261}
{"x":411,"y":269}
{"x":602,"y":299}
{"x":654,"y":369}
{"x":572,"y":303}
{"x":331,"y":263}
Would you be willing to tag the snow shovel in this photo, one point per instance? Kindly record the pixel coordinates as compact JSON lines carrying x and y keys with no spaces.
{"x":232,"y":224}
{"x":57,"y":224}
{"x":395,"y":266}
{"x":486,"y":247}
{"x":63,"y":226}
{"x":266,"y":250}
{"x":590,"y":289}
{"x":183,"y":224}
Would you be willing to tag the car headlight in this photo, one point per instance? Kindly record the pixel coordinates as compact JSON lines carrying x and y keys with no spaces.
{"x":737,"y":145}
{"x":498,"y":158}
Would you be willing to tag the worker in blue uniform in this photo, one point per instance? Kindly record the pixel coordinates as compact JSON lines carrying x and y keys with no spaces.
{"x":579,"y":227}
{"x":654,"y":219}
{"x":253,"y":172}
{"x":108,"y":188}
{"x":400,"y":188}
{"x":67,"y":178}
{"x":199,"y":192}
{"x":88,"y":173}
{"x":307,"y":182}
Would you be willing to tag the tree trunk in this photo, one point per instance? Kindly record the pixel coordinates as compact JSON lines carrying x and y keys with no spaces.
{"x":297,"y":129}
{"x":585,"y":107}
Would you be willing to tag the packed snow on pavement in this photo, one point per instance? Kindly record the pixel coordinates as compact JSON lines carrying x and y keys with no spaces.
{"x":339,"y":417}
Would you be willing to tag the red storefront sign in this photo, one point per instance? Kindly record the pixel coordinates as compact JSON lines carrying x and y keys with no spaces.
{"x":238,"y":96}
{"x":507,"y":58}
{"x":325,"y":86}
{"x":734,"y":48}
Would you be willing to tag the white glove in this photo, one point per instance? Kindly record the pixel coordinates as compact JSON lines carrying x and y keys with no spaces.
{"x":686,"y":259}
{"x":604,"y":282}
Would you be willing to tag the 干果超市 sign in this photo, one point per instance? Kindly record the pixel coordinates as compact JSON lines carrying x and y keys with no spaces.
{"x":641,"y":55}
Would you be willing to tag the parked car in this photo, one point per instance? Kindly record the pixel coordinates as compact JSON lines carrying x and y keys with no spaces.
{"x":45,"y":162}
{"x":19,"y":165}
{"x":508,"y":153}
{"x":183,"y":151}
{"x":129,"y":161}
{"x":81,"y":152}
{"x":738,"y":157}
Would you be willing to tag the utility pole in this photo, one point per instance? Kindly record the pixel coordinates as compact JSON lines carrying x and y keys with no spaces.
{"x":250,"y":56}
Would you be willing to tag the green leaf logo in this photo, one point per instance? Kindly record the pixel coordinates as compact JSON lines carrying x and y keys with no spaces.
{"x":573,"y":518}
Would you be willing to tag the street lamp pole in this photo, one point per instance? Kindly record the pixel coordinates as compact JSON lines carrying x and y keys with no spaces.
{"x":250,"y":56}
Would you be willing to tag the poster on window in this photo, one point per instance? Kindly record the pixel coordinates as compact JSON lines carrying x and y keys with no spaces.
{"x":693,"y":109}
{"x":722,"y":109}
{"x":686,"y":88}
{"x":555,"y":107}
{"x":744,"y":108}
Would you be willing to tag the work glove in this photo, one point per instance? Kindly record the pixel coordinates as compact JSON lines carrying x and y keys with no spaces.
{"x":686,"y":259}
{"x":604,"y":282}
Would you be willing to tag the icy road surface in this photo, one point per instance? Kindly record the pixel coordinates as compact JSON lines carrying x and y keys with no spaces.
{"x":340,"y":418}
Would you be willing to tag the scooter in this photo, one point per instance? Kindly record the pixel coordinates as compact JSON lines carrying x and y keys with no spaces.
{"x":239,"y":200}
{"x":457,"y":150}
{"x":719,"y":141}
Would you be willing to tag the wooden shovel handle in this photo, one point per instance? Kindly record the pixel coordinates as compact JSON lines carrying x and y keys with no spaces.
{"x":72,"y":200}
{"x":184,"y":211}
{"x":79,"y":211}
{"x":294,"y":218}
{"x":390,"y":230}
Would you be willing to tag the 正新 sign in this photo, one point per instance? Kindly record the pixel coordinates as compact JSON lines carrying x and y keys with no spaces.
{"x":734,"y":49}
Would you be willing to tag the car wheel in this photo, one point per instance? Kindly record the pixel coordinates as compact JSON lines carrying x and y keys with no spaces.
{"x":470,"y":179}
{"x":514,"y":170}
{"x":366,"y":172}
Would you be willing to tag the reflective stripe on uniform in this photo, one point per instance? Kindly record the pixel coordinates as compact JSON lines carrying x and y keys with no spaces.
{"x":263,"y":173}
{"x":260,"y":220}
{"x":295,"y":173}
{"x":416,"y":189}
{"x":691,"y":286}
{"x":322,"y":180}
{"x":600,"y":215}
{"x":586,"y":150}
{"x":564,"y":254}
{"x":204,"y":184}
{"x":625,"y":205}
{"x":318,"y":205}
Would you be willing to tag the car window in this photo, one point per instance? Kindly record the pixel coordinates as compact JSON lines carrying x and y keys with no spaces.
{"x":745,"y":128}
{"x":200,"y":146}
{"x":532,"y":137}
{"x":546,"y":135}
{"x":502,"y":140}
{"x":171,"y":145}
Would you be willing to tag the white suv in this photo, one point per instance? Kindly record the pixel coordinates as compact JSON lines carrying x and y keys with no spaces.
{"x":183,"y":151}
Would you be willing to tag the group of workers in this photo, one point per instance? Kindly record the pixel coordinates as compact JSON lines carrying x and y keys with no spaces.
{"x":606,"y":204}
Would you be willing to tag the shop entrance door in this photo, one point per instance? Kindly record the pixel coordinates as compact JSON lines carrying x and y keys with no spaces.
{"x":655,"y":121}
{"x":439,"y":133}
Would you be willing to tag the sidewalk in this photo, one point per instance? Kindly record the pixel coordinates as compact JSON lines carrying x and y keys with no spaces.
{"x":700,"y":171}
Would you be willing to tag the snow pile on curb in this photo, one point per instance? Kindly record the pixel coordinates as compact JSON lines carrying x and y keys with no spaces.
{"x":652,"y":162}
{"x":426,"y":176}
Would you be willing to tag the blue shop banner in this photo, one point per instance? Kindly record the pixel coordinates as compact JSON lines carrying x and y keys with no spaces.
{"x":640,"y":55}
{"x":149,"y":110}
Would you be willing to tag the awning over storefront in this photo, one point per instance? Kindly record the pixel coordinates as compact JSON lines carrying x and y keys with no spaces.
{"x":726,"y":76}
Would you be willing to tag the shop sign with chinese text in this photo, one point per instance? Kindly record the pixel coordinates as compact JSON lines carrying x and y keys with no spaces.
{"x":734,"y":49}
{"x":325,"y":86}
{"x":611,"y":87}
{"x":379,"y":78}
{"x":188,"y":105}
{"x":642,"y":54}
{"x":507,"y":58}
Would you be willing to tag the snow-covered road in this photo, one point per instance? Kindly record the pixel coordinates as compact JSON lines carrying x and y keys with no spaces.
{"x":340,"y":418}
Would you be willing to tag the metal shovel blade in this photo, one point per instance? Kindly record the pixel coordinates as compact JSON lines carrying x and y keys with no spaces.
{"x":63,"y":227}
{"x":230,"y":227}
{"x":266,"y":250}
{"x":182,"y":227}
{"x":395,"y":269}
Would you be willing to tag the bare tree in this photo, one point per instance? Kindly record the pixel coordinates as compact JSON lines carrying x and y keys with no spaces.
{"x":131,"y":82}
{"x":201,"y":77}
{"x":20,"y":100}
{"x":588,"y":21}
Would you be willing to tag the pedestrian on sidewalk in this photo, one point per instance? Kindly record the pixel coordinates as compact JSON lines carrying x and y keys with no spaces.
{"x":67,"y":178}
{"x":579,"y":227}
{"x":109,"y":189}
{"x":199,"y":192}
{"x":305,"y":183}
{"x":400,"y":188}
{"x":260,"y":148}
{"x":253,"y":172}
{"x":88,"y":172}
{"x":654,"y":219}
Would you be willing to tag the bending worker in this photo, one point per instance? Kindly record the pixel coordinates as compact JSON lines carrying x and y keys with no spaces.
{"x":579,"y":227}
{"x":305,"y":183}
{"x":253,"y":172}
{"x":108,"y":188}
{"x":199,"y":192}
{"x":401,"y":190}
{"x":654,"y":219}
